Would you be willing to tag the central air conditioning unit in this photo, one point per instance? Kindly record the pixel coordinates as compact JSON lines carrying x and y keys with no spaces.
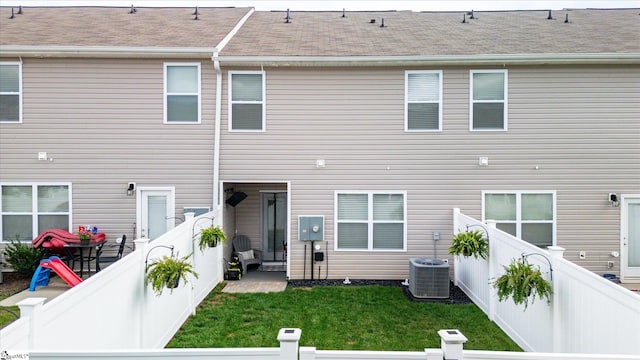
{"x":429,"y":278}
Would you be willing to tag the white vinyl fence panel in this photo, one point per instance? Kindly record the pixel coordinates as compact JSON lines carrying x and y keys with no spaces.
{"x":113,"y":309}
{"x":588,"y":314}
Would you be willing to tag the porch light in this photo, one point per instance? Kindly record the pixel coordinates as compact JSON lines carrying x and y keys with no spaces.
{"x":613,"y":199}
{"x":131,"y":187}
{"x":236,"y":198}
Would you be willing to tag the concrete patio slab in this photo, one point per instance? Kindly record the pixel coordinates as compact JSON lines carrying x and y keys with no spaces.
{"x":56,"y":287}
{"x":257,"y":282}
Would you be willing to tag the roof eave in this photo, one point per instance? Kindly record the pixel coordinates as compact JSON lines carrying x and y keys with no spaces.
{"x":105,"y":52}
{"x":429,"y":60}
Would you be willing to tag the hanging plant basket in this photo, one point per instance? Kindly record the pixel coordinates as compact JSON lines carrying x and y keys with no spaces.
{"x":167,"y":271}
{"x":522,"y":283}
{"x":470,"y":243}
{"x":211,"y":236}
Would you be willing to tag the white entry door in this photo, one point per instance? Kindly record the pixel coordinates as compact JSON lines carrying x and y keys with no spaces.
{"x":630,"y":238}
{"x":156,"y":212}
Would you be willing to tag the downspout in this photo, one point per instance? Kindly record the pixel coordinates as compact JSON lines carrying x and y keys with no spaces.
{"x":217,"y":204}
{"x":216,"y":137}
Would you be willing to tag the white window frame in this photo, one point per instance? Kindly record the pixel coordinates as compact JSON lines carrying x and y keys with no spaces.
{"x":263,"y":102}
{"x":505,"y":101}
{"x":19,"y":93}
{"x":518,"y":222}
{"x":370,"y":220}
{"x":406,"y":99}
{"x":166,"y":93}
{"x":34,"y":206}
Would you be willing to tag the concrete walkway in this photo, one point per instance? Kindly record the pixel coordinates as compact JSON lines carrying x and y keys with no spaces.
{"x":56,"y":287}
{"x":257,"y":282}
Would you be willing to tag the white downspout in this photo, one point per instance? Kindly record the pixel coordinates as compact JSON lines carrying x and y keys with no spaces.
{"x":217,"y":204}
{"x":216,"y":137}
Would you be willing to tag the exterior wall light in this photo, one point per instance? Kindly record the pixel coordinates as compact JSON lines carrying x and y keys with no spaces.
{"x":131,"y":188}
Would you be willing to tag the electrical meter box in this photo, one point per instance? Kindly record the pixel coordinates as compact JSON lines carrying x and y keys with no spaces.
{"x":310,"y":228}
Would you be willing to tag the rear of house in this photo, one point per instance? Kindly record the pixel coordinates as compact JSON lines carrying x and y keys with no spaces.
{"x":378,"y":132}
{"x":109,"y":118}
{"x":367,"y":135}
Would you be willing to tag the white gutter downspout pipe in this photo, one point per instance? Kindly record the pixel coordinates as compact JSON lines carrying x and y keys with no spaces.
{"x":217,"y":206}
{"x":217,"y":203}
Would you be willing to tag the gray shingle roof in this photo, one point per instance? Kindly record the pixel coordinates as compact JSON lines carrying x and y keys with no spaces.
{"x":115,"y":26}
{"x":436,"y":33}
{"x":327,"y":33}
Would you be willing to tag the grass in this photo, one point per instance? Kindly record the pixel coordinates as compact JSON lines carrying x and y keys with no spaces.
{"x":332,"y":318}
{"x":12,"y":284}
{"x":7,"y":315}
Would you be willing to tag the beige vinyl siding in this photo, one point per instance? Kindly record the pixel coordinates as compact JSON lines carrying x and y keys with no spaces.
{"x":577,"y":124}
{"x":101,"y":121}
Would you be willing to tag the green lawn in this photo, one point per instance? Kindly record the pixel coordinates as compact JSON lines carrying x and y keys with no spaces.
{"x":7,"y":312}
{"x":332,"y":318}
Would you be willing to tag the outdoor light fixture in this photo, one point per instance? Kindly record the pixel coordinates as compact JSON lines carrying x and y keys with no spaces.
{"x":613,"y":199}
{"x":131,"y":187}
{"x":236,"y":198}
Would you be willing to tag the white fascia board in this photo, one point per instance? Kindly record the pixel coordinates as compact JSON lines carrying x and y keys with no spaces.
{"x":106,"y":52}
{"x":518,"y":59}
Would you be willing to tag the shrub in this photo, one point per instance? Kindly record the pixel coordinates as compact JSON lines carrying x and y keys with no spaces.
{"x":23,"y":257}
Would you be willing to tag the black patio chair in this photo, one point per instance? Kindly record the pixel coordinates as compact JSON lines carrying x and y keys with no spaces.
{"x":109,"y":259}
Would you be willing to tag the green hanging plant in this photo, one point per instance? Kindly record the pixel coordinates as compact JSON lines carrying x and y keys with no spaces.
{"x":521,"y":282}
{"x":470,"y":243}
{"x":167,"y":271}
{"x":211,"y":236}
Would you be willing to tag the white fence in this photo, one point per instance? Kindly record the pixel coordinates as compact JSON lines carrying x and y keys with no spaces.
{"x":588,"y":313}
{"x":113,"y":309}
{"x":451,"y":348}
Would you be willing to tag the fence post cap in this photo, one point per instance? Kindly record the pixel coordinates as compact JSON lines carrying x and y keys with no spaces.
{"x":32,"y":301}
{"x":556,"y":251}
{"x":452,"y":336}
{"x":289,"y":334}
{"x":141,"y":241}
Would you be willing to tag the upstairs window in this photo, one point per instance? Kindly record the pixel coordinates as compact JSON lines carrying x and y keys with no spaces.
{"x":10,"y":92}
{"x":423,"y":101}
{"x":29,"y":209}
{"x":488,"y":100}
{"x":182,"y":93}
{"x":247,"y":105}
{"x":371,"y":221}
{"x":530,"y":216}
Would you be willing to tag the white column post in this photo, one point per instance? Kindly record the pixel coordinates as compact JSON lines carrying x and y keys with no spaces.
{"x":451,"y":342}
{"x":189,"y":223}
{"x":493,"y":271}
{"x":556,"y":253}
{"x":456,"y":262}
{"x":289,"y":339}
{"x":31,"y":308}
{"x":142,"y":246}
